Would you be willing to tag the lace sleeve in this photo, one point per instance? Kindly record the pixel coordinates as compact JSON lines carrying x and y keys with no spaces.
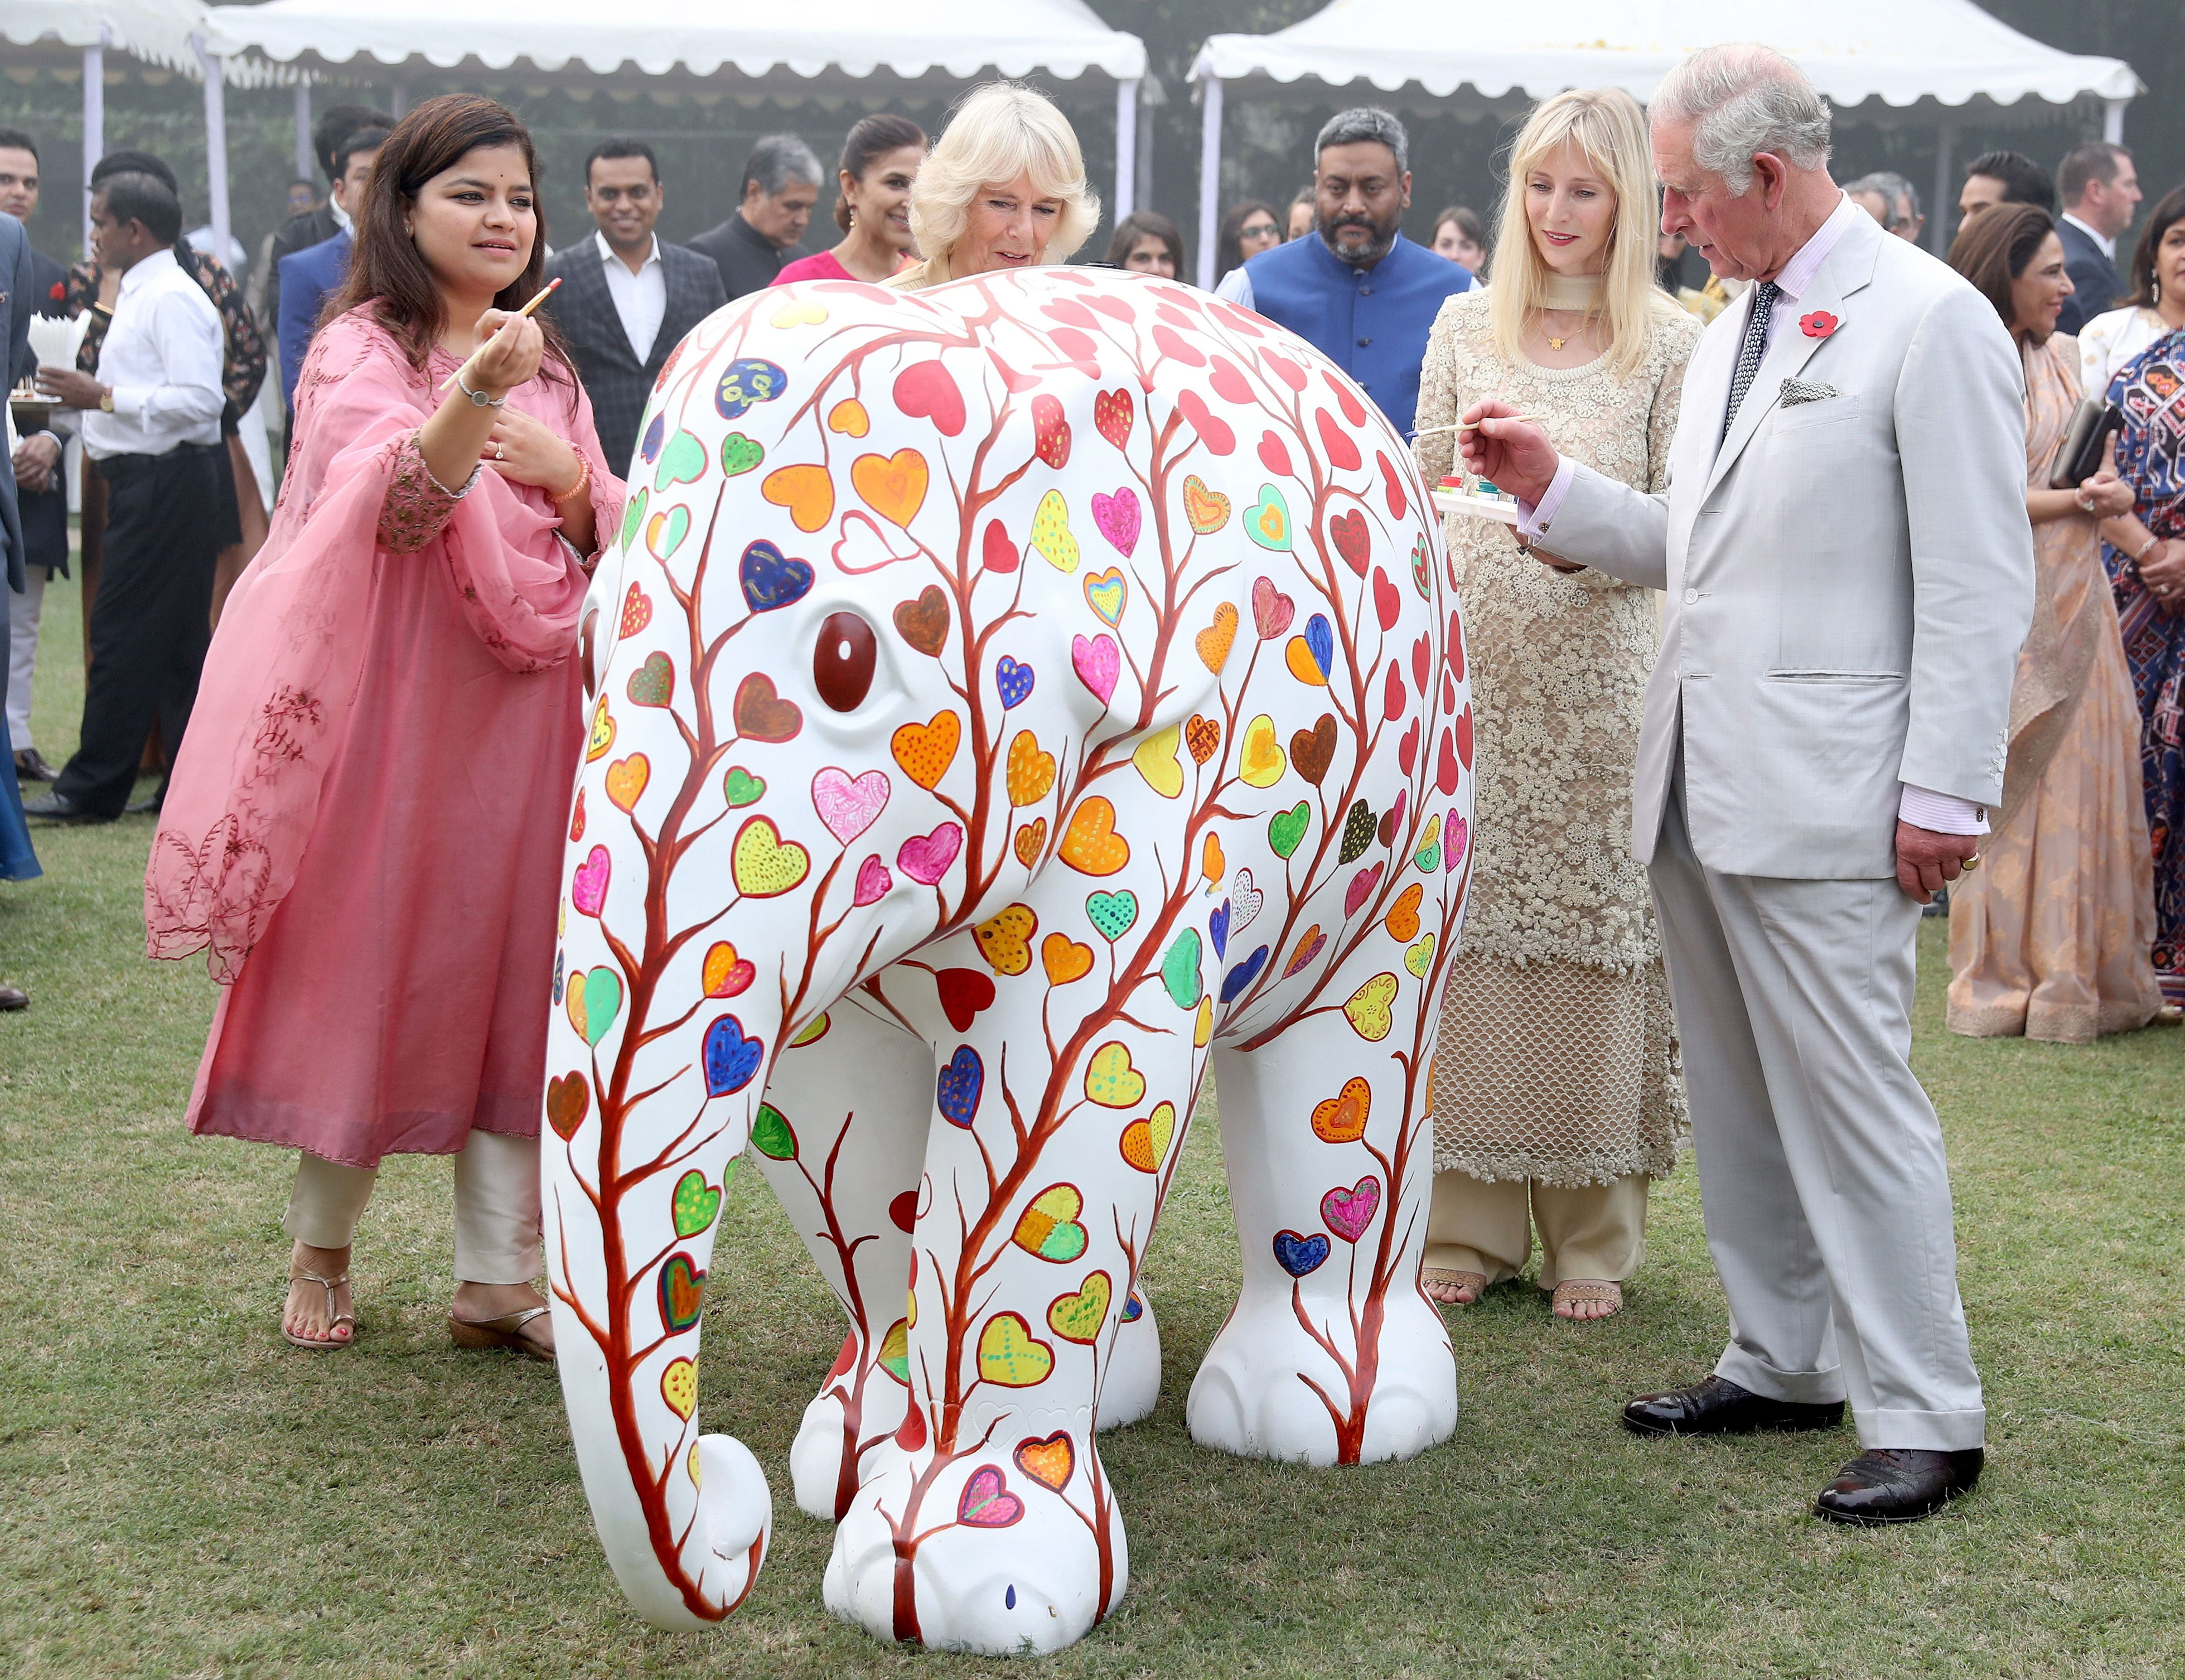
{"x":416,"y":507}
{"x":1661,"y":421}
{"x":1436,"y":453}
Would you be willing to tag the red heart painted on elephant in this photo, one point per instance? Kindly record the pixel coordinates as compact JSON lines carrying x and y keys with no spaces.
{"x":903,"y":1212}
{"x":1212,"y":431}
{"x":1397,"y":699}
{"x":1352,"y":411}
{"x":1445,"y":768}
{"x":1452,"y":648}
{"x":1407,"y":749}
{"x":1387,"y":603}
{"x":1228,"y":381}
{"x":1353,"y":541}
{"x":963,"y":993}
{"x":1341,"y":448}
{"x":926,"y":390}
{"x":999,"y":553}
{"x":1176,"y":348}
{"x":1274,"y":456}
{"x":1464,"y":736}
{"x":1421,"y":660}
{"x":1391,"y":485}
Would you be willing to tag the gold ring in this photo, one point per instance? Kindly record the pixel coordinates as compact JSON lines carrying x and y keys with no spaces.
{"x":1972,"y":863}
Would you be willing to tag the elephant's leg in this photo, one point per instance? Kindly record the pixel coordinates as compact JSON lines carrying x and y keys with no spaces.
{"x":842,"y":1148}
{"x":1129,"y":1381}
{"x":1058,"y":1122}
{"x":1331,"y":1355}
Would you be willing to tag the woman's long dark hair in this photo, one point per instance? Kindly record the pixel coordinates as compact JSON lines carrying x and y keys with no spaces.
{"x":385,"y":269}
{"x":1992,"y":248}
{"x":2140,"y":280}
{"x":1229,"y":242}
{"x":874,"y":137}
{"x":1143,"y":224}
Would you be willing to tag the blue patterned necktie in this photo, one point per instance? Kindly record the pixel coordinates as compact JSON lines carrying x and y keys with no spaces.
{"x":1754,"y":347}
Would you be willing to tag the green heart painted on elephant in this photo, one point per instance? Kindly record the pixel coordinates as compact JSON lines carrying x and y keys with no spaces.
{"x":682,"y":463}
{"x":665,"y":535}
{"x":602,"y":1003}
{"x":1418,"y":956}
{"x":740,"y":454}
{"x":1180,"y":970}
{"x":771,"y":1135}
{"x":653,"y":682}
{"x":633,"y":518}
{"x":741,"y":787}
{"x":696,"y":1203}
{"x":1112,"y":913}
{"x":895,"y":1352}
{"x":1286,"y":829}
{"x":1267,"y":522}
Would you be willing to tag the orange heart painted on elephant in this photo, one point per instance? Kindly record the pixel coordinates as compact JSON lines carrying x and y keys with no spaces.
{"x":926,"y":750}
{"x":1030,"y":842}
{"x":808,"y":492}
{"x":1342,"y":1117}
{"x":893,"y":486}
{"x":1031,"y":772}
{"x":1213,"y":641}
{"x":1090,"y":845}
{"x":1065,"y":959}
{"x":1050,"y":1462}
{"x":1403,"y":917}
{"x":1005,"y":939}
{"x":626,"y":780}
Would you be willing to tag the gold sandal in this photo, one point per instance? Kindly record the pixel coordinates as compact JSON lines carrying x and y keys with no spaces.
{"x":1476,"y":1282}
{"x":1588,"y":1289}
{"x":504,"y":1332}
{"x":328,"y":1343}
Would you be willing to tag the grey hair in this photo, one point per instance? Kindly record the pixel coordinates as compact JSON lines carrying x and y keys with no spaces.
{"x":1741,"y":99}
{"x":1895,"y":191}
{"x":1364,"y":123}
{"x":778,"y":159}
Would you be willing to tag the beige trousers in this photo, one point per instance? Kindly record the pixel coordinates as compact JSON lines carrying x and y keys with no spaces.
{"x":497,"y":1208}
{"x":1596,"y":1231}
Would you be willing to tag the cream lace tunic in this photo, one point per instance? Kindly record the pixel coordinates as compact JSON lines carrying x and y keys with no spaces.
{"x":1558,"y":1057}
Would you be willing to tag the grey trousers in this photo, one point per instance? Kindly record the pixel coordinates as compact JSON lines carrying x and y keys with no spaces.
{"x":1822,"y":1178}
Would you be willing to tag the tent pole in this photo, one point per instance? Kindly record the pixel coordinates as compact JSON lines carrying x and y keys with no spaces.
{"x":400,"y":103}
{"x":1127,"y":146}
{"x":2113,"y":121}
{"x":304,"y":126}
{"x":1938,"y":224}
{"x":1210,"y":179}
{"x":94,"y":121}
{"x":215,"y":109}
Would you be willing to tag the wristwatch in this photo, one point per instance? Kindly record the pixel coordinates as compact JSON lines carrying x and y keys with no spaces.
{"x":478,"y":399}
{"x":106,"y":400}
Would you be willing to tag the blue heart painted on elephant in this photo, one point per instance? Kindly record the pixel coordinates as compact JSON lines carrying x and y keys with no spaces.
{"x":962,"y":1081}
{"x":1320,"y":641}
{"x":655,"y":435}
{"x":1013,"y":682}
{"x":746,"y":383}
{"x":731,"y":1059}
{"x":771,"y":582}
{"x":1244,"y":974}
{"x":1300,"y":1256}
{"x":1133,"y":1309}
{"x":1217,"y":928}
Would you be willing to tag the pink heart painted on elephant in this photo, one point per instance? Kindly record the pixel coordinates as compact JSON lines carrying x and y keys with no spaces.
{"x":986,"y":1501}
{"x":588,"y":891}
{"x":924,"y":858}
{"x":1118,"y":519}
{"x":1347,"y":1212}
{"x":1271,"y":610}
{"x":849,"y":805}
{"x":1362,"y":887}
{"x":1097,"y":664}
{"x":874,"y":881}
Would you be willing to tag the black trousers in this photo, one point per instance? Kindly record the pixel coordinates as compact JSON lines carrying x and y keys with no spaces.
{"x":149,"y":624}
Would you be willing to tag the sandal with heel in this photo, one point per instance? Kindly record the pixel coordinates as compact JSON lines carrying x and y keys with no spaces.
{"x":330,"y":1342}
{"x":506,"y":1331}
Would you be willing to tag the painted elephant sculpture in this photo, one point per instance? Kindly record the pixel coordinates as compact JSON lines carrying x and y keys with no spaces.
{"x":1008,"y":699}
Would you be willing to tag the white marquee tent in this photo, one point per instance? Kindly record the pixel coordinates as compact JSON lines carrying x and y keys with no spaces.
{"x":1928,"y":61}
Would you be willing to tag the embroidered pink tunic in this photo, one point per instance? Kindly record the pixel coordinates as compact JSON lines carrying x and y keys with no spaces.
{"x":365,"y":823}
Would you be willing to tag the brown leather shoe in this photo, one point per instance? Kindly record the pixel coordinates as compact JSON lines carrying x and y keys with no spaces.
{"x":1717,"y":1406}
{"x":1898,"y":1484}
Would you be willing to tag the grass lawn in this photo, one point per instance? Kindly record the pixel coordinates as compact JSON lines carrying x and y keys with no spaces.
{"x":182,"y":1493}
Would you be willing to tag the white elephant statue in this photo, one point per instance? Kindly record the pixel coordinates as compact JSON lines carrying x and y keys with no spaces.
{"x":1008,"y":698}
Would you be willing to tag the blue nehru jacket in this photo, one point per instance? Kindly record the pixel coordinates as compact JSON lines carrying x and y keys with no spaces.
{"x":1372,"y":322}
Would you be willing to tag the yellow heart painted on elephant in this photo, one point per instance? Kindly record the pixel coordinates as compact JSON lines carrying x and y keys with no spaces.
{"x":1202,"y":1029}
{"x":848,"y":417}
{"x":1065,"y":959}
{"x":1367,"y":1008}
{"x":1420,"y":957}
{"x":804,"y":312}
{"x":1342,"y":1117}
{"x":1110,"y":1078}
{"x":1078,"y":1317}
{"x":1010,"y":1355}
{"x":690,"y":1465}
{"x":926,"y":750}
{"x":1031,"y":772}
{"x":765,"y":865}
{"x":1260,"y":759}
{"x":678,"y":1387}
{"x":626,"y":780}
{"x":895,"y":1349}
{"x":1403,"y":917}
{"x":808,"y":492}
{"x":893,"y":486}
{"x":1005,"y":939}
{"x":1050,"y":532}
{"x":573,"y":1001}
{"x":1215,"y":641}
{"x":1049,"y":1228}
{"x":603,"y":732}
{"x":1105,"y":593}
{"x":1156,"y":761}
{"x":1145,"y":1142}
{"x":1207,"y":509}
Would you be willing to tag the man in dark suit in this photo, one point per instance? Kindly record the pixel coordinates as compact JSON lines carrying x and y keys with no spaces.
{"x":315,"y":227}
{"x":625,"y":300}
{"x":18,"y":861}
{"x":781,"y":183}
{"x":2101,"y":191}
{"x":311,"y":275}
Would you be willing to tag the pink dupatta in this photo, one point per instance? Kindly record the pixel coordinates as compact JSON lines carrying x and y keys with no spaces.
{"x":276,"y":701}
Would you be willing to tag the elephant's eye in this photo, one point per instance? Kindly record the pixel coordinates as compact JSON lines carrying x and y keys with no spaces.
{"x":842,"y":662}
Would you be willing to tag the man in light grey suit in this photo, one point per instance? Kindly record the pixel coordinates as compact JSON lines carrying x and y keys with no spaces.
{"x":1849,"y":574}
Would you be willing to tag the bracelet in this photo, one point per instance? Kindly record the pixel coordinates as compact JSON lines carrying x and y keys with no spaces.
{"x":2153,"y":542}
{"x":478,"y":399}
{"x":584,"y":483}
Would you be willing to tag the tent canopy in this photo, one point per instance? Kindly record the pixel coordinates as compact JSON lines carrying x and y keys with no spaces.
{"x":156,"y":32}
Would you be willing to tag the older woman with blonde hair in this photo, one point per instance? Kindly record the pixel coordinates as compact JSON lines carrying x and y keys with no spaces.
{"x":1004,"y":188}
{"x":1558,"y":1095}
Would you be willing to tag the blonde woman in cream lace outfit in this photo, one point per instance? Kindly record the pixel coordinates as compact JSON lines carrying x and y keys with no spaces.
{"x":1557,"y":1091}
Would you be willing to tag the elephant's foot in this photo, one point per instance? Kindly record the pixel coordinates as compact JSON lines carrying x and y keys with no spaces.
{"x":1008,"y":1564}
{"x":826,"y":1459}
{"x":1130,"y":1389}
{"x":1252,"y":1396}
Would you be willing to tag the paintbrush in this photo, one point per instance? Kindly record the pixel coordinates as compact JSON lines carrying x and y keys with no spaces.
{"x":545,"y":292}
{"x":1473,"y":425}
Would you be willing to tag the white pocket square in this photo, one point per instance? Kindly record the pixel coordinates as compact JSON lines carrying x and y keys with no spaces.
{"x":1796,"y":391}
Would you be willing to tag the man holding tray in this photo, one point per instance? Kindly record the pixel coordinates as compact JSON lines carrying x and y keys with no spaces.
{"x":1849,"y":574}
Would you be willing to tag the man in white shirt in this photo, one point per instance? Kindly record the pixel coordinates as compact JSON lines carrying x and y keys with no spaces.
{"x":625,"y":300}
{"x":151,"y":419}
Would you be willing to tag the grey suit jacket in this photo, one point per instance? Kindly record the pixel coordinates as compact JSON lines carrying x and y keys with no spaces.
{"x":1848,"y":579}
{"x":584,"y":309}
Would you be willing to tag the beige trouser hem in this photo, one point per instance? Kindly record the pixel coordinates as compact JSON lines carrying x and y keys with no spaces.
{"x":497,"y":1208}
{"x":1596,"y":1231}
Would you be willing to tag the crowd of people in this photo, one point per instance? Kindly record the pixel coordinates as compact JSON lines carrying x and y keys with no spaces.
{"x":1649,"y":892}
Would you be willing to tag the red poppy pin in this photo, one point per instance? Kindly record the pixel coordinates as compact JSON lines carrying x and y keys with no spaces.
{"x":60,"y":291}
{"x":1817,"y":324}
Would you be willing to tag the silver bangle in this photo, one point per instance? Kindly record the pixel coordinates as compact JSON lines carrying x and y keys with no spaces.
{"x":478,"y":399}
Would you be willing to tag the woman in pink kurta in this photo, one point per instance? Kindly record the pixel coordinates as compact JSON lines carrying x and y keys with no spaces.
{"x":366,"y":825}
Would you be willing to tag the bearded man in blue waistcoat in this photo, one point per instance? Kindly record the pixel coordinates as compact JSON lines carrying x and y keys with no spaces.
{"x":1355,"y":288}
